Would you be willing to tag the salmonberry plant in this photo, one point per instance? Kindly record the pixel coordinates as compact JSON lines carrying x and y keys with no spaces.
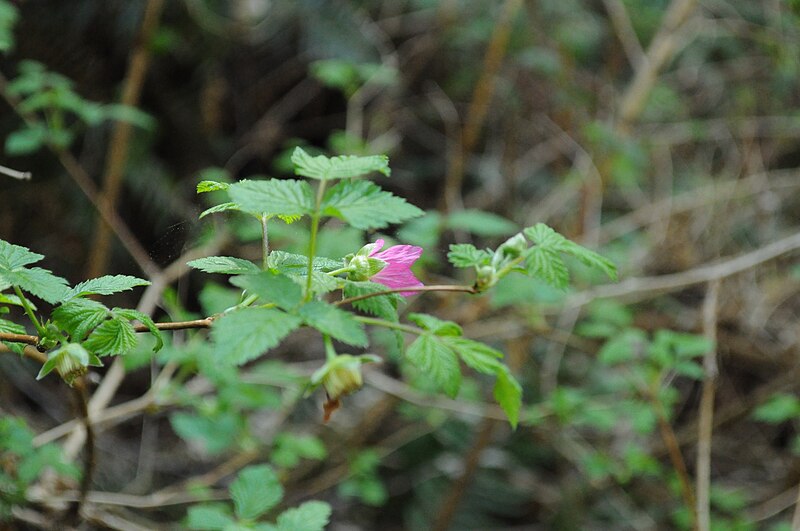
{"x":341,"y":299}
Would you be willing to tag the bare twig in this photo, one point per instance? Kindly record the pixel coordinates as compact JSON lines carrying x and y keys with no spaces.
{"x":659,"y":52}
{"x":625,"y":33}
{"x":479,"y":106}
{"x":120,"y":137}
{"x":706,"y":420}
{"x":14,"y":174}
{"x":633,"y":288}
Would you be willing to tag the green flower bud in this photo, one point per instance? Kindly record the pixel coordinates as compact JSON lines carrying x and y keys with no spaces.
{"x":364,"y":268}
{"x":486,"y":278}
{"x":340,"y":376}
{"x":71,"y":361}
{"x":510,"y":249}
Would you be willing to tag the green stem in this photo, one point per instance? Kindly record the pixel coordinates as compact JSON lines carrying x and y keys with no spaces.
{"x":389,"y":324}
{"x":340,"y":271}
{"x":330,"y":352}
{"x":29,"y":311}
{"x":264,"y":241}
{"x":250,"y":299}
{"x":509,"y":267}
{"x":312,"y":242}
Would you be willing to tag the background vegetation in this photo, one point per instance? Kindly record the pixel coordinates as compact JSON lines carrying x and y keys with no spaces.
{"x":662,"y":133}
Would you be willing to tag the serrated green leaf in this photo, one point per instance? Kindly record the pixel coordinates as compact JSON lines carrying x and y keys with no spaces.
{"x":436,"y":360}
{"x":435,"y":325}
{"x":105,"y":285}
{"x":283,"y":262}
{"x":245,"y":334}
{"x":324,"y":168}
{"x":37,"y":281}
{"x":544,"y":236}
{"x":466,"y":255}
{"x":208,"y":517}
{"x":271,"y":287}
{"x":383,"y":306}
{"x":481,"y":223}
{"x":364,"y":205}
{"x":475,"y":354}
{"x":255,"y":491}
{"x":546,"y":264}
{"x":112,"y":337}
{"x":590,"y":258}
{"x":79,"y":316}
{"x":217,"y":432}
{"x":15,"y":256}
{"x":11,"y":328}
{"x":337,"y":323}
{"x":136,"y":315}
{"x":226,"y":265}
{"x":508,"y":394}
{"x":310,"y":516}
{"x":273,"y":197}
{"x":211,"y":186}
{"x":222,"y":207}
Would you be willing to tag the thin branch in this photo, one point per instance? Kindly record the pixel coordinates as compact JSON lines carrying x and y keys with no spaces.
{"x":706,"y":420}
{"x":419,"y":289}
{"x":625,"y":32}
{"x":19,"y":338}
{"x":660,"y":51}
{"x":120,"y":136}
{"x":645,"y":286}
{"x":479,"y":106}
{"x":14,"y":174}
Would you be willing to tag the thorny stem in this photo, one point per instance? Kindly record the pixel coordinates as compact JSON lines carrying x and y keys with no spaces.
{"x":29,"y":311}
{"x":312,"y":242}
{"x":264,"y":241}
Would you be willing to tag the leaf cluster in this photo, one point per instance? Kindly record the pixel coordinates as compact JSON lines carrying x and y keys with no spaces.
{"x":255,"y":492}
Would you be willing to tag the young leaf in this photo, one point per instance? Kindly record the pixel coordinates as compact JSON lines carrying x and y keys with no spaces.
{"x":274,"y":197}
{"x":79,"y":316}
{"x":310,"y":516}
{"x":383,"y":306}
{"x":590,"y":258}
{"x":245,"y":334}
{"x":222,"y":207}
{"x":508,"y":394}
{"x":255,"y":491}
{"x":322,"y":167}
{"x":271,"y":287}
{"x":209,"y":517}
{"x":364,"y":205}
{"x":475,"y":354}
{"x":337,"y":323}
{"x":437,"y":361}
{"x":105,"y":285}
{"x":435,"y":325}
{"x":226,"y":265}
{"x":211,"y":186}
{"x":135,"y":315}
{"x":112,"y":337}
{"x":283,"y":262}
{"x":546,"y":264}
{"x":13,"y":328}
{"x":466,"y":255}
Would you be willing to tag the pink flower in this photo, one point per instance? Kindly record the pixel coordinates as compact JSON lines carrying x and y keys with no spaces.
{"x":397,"y":273}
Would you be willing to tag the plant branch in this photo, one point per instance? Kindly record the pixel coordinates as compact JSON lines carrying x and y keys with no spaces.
{"x":120,"y":136}
{"x":643,"y":286}
{"x":29,"y":311}
{"x":312,"y":240}
{"x":420,"y":289}
{"x":14,"y":174}
{"x":706,"y":420}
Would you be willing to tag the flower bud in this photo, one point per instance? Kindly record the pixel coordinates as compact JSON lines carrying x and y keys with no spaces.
{"x":71,"y":361}
{"x":486,"y":278}
{"x":364,"y":268}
